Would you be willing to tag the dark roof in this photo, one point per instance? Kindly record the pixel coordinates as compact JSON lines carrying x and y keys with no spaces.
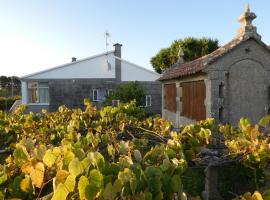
{"x":201,"y":63}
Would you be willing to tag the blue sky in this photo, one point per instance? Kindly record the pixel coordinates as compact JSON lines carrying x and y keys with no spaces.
{"x":36,"y":34}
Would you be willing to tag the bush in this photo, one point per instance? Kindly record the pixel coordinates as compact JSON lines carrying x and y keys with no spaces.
{"x":7,"y":102}
{"x":126,"y":93}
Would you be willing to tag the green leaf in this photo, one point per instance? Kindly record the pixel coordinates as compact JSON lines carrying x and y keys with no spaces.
{"x":75,"y":167}
{"x":147,"y":195}
{"x":176,"y":184}
{"x":83,"y":183}
{"x":266,"y":195}
{"x":264,"y":121}
{"x":109,"y":192}
{"x":60,"y":193}
{"x":91,"y":192}
{"x":20,"y":154}
{"x":153,"y":171}
{"x":70,"y":183}
{"x":97,"y":160}
{"x":49,"y":158}
{"x":154,"y":184}
{"x":68,"y":157}
{"x":125,"y":176}
{"x":123,"y":147}
{"x":3,"y":178}
{"x":40,"y":152}
{"x":95,"y":178}
{"x":137,"y":155}
{"x":117,"y":185}
{"x":111,"y":150}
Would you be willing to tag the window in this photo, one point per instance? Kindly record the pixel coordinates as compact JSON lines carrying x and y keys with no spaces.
{"x":108,"y":92}
{"x":220,"y":114}
{"x":38,"y":92}
{"x":221,"y":90}
{"x":269,"y":92}
{"x":148,"y":101}
{"x":95,"y":95}
{"x":100,"y":94}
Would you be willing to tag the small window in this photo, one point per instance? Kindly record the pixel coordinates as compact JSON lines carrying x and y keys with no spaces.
{"x":100,"y":94}
{"x":95,"y":95}
{"x":108,"y":92}
{"x":221,"y":90}
{"x":268,"y":92}
{"x":220,"y":114}
{"x":148,"y":101}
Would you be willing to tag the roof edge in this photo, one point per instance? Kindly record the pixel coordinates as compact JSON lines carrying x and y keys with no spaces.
{"x":138,"y":66}
{"x":65,"y":65}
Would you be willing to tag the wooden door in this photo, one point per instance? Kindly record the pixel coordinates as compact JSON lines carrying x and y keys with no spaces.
{"x":193,"y":97}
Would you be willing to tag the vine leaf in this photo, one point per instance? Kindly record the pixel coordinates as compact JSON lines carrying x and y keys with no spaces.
{"x":37,"y":174}
{"x":83,"y":183}
{"x":25,"y":184}
{"x":75,"y":167}
{"x":70,"y":183}
{"x":176,"y":184}
{"x":95,"y":178}
{"x":109,"y":192}
{"x":61,"y":176}
{"x":91,"y":192}
{"x":49,"y":158}
{"x":60,"y":193}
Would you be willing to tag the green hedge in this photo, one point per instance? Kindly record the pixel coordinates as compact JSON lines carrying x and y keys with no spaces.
{"x":7,"y":102}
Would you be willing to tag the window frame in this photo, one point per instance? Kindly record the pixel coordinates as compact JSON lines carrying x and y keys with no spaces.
{"x":146,"y":102}
{"x":37,"y":87}
{"x":93,"y":95}
{"x":109,"y":91}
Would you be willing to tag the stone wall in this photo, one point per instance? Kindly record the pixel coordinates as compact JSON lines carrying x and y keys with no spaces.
{"x":244,"y":72}
{"x":72,"y":92}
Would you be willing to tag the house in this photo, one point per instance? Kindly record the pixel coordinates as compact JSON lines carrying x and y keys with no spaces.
{"x":227,"y":84}
{"x":93,"y":77}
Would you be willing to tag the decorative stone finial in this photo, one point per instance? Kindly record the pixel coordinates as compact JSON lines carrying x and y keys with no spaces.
{"x":247,"y":29}
{"x":247,"y":8}
{"x":180,"y":56}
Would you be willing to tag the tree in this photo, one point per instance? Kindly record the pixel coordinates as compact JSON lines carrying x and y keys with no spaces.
{"x":192,"y":47}
{"x":9,"y":86}
{"x":127,"y":92}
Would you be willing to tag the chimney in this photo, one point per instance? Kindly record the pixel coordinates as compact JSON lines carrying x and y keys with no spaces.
{"x":73,"y":59}
{"x":118,"y":64}
{"x":117,"y":50}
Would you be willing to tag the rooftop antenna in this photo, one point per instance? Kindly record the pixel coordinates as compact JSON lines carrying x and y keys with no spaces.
{"x":107,"y":36}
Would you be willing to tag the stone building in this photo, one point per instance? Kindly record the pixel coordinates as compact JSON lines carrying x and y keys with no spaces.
{"x":227,"y":84}
{"x":91,"y":78}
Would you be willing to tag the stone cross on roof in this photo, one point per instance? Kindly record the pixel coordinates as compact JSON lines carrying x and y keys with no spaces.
{"x":247,"y":29}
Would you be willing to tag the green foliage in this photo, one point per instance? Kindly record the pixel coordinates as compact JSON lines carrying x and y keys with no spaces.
{"x":126,"y":92}
{"x":192,"y":47}
{"x":113,"y":153}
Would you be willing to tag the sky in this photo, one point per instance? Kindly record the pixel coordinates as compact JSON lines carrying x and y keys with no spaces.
{"x":37,"y":34}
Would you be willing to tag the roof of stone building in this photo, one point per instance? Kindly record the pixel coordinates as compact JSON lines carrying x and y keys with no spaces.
{"x":246,"y":32}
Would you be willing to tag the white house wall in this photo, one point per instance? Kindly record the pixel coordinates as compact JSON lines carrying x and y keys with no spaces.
{"x":132,"y":72}
{"x":89,"y":68}
{"x":24,"y":92}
